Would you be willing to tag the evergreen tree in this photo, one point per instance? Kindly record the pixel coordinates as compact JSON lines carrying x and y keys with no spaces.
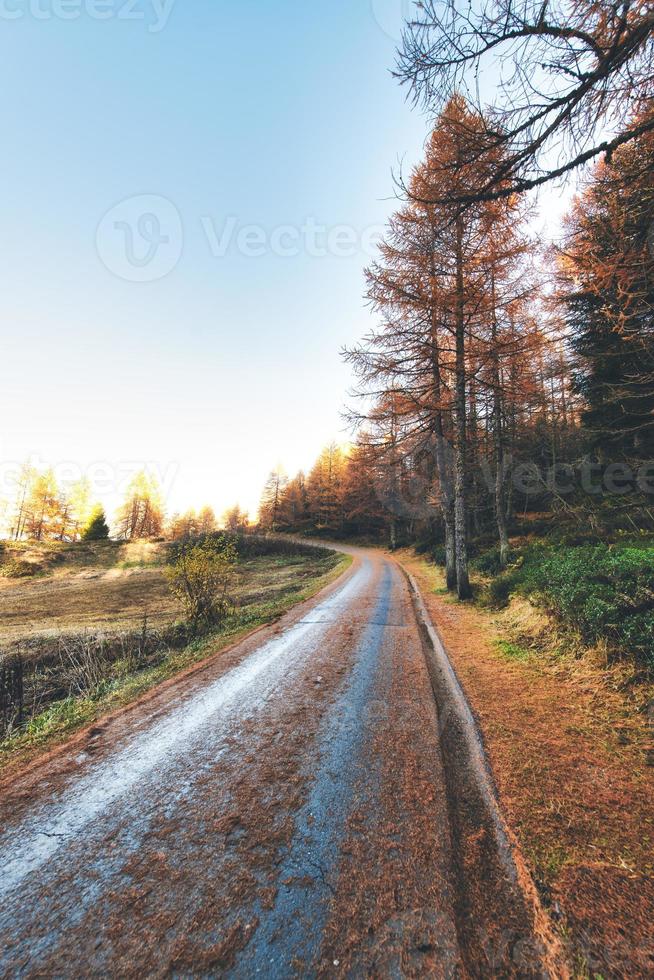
{"x":96,"y":528}
{"x":607,"y":271}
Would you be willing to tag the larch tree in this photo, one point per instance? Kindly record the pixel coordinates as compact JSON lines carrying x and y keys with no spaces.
{"x":43,"y":507}
{"x":79,"y":509}
{"x":560,"y":72}
{"x":24,"y":484}
{"x":324,"y":488}
{"x":142,"y":513}
{"x":183,"y":526}
{"x":235,"y":520}
{"x":444,"y":285}
{"x":271,"y":500}
{"x":207,"y":522}
{"x":295,"y":504}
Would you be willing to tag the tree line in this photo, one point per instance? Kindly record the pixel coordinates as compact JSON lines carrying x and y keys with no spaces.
{"x":505,"y":376}
{"x":44,"y":510}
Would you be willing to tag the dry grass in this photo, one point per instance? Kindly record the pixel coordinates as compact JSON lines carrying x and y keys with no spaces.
{"x":79,"y":587}
{"x":110,"y":586}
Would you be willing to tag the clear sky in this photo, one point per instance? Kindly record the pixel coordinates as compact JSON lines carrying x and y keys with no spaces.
{"x":143,"y":319}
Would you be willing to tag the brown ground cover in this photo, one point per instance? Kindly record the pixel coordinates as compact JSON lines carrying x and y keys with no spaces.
{"x":112,"y":586}
{"x":570,"y":742}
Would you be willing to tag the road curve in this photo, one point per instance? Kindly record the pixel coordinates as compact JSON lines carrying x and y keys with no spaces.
{"x":278,"y":811}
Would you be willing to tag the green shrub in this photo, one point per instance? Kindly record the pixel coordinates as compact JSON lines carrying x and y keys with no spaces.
{"x":201,"y":576}
{"x":502,"y":586}
{"x":17,"y":568}
{"x":512,"y":651}
{"x":488,"y":562}
{"x":605,"y":593}
{"x":438,"y":554}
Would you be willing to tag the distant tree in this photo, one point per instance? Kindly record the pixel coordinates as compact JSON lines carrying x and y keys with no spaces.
{"x":142,"y":514}
{"x":24,"y":486}
{"x":294,"y":513}
{"x":235,"y":520}
{"x":79,"y":508}
{"x":271,"y":500}
{"x":365,"y":514}
{"x":96,"y":527}
{"x":62,"y":526}
{"x":324,"y":489}
{"x":207,"y":522}
{"x":43,"y":507}
{"x":183,"y":526}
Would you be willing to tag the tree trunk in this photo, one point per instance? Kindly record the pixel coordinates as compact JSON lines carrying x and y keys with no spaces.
{"x":393,"y":534}
{"x":472,"y":456}
{"x":460,"y":505}
{"x":500,"y":518}
{"x":443,"y":458}
{"x":447,"y":504}
{"x":450,"y":549}
{"x":498,"y":438}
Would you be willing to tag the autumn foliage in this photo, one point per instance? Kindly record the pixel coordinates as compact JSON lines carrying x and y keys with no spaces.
{"x":499,"y":364}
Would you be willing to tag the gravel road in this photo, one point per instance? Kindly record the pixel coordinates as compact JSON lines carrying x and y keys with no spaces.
{"x":278,"y":811}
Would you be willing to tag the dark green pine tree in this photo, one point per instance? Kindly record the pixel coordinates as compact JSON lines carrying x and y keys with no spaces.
{"x":96,"y":528}
{"x":608,"y":266}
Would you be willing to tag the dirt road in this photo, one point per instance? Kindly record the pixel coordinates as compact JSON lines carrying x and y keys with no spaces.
{"x":280,"y":811}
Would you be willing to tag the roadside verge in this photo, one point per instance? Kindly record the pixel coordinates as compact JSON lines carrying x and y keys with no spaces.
{"x":503,"y":924}
{"x":566,"y":737}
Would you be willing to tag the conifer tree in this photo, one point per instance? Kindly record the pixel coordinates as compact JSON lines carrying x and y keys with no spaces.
{"x":96,"y":527}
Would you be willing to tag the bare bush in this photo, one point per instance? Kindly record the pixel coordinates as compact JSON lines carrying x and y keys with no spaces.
{"x":11,"y":694}
{"x":201,"y":577}
{"x":84,"y":660}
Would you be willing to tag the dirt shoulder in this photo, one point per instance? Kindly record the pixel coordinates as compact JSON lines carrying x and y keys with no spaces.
{"x":569,"y":746}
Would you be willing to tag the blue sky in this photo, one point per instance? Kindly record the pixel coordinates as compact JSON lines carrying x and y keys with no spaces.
{"x":203,"y":117}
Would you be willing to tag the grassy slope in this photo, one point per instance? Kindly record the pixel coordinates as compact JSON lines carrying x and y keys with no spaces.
{"x":569,"y":740}
{"x":268,"y":587}
{"x":107,"y":585}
